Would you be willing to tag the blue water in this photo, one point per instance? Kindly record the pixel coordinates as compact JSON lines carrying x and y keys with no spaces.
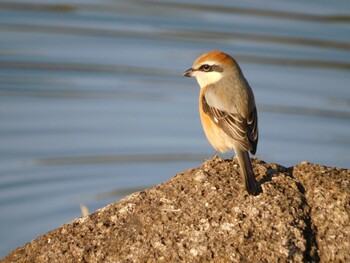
{"x":93,"y":104}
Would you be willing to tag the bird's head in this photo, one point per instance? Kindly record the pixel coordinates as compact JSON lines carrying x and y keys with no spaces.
{"x":211,"y":67}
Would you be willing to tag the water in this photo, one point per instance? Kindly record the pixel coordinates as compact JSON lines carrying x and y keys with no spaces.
{"x":93,"y":105}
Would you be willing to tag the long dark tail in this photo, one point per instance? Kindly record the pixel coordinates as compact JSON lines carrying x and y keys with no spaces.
{"x":247,"y":171}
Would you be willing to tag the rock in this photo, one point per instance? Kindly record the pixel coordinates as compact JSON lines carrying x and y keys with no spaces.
{"x":205,"y":215}
{"x":327,"y":191}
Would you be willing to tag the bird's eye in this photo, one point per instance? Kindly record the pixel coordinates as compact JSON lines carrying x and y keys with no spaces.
{"x":206,"y":67}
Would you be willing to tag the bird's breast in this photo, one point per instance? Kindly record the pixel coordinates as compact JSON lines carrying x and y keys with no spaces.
{"x":215,"y":135}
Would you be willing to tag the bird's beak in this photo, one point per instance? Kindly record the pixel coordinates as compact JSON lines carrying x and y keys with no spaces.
{"x":188,"y":73}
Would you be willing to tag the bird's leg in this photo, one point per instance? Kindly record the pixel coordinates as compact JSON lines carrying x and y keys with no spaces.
{"x":213,"y":158}
{"x":215,"y":155}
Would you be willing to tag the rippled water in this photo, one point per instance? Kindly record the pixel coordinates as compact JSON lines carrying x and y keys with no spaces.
{"x":93,"y":105}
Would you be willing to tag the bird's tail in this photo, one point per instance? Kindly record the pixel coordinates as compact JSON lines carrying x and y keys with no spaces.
{"x":247,"y":171}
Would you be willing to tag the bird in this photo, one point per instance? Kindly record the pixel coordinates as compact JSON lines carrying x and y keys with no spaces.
{"x":227,"y":110}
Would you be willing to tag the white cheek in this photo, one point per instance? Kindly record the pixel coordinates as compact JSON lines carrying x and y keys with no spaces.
{"x":208,"y":78}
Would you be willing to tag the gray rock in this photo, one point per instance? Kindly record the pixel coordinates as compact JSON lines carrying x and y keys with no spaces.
{"x":205,"y":215}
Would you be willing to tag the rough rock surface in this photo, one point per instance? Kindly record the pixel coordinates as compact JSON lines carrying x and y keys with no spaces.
{"x":205,"y":215}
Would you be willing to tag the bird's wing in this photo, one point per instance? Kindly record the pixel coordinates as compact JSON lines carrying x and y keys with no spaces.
{"x":252,"y":129}
{"x":242,"y":130}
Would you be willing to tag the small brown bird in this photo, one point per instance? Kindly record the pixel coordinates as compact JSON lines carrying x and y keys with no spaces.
{"x":227,"y":109}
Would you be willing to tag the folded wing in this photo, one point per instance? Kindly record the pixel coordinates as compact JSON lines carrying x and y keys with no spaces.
{"x":242,"y":130}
